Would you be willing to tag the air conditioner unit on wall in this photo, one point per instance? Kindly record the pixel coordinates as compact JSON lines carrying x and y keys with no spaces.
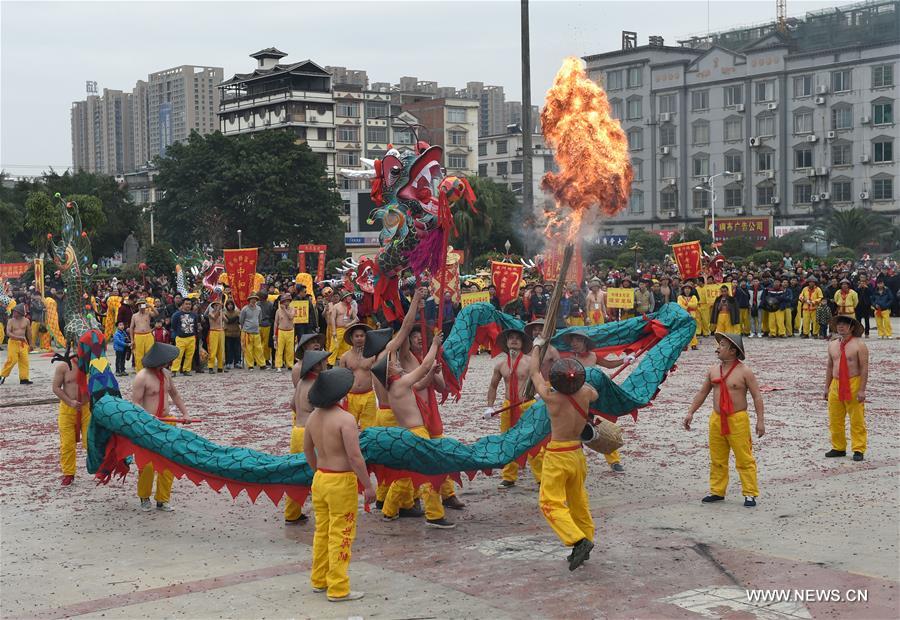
{"x":754,"y":142}
{"x":772,"y":106}
{"x":821,"y":172}
{"x":864,"y":195}
{"x":738,"y":177}
{"x":865,"y":120}
{"x":825,"y":196}
{"x":673,"y":215}
{"x":665,"y":117}
{"x":739,"y":107}
{"x":815,"y":198}
{"x":812,"y":138}
{"x":864,"y":158}
{"x":774,"y":200}
{"x":830,"y":135}
{"x":671,"y":182}
{"x":706,"y":212}
{"x":822,"y":89}
{"x":769,"y":174}
{"x":664,"y":150}
{"x":740,"y":211}
{"x":820,"y":100}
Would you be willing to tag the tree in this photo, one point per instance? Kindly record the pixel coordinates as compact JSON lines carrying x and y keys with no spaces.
{"x":854,"y":228}
{"x":270,"y":187}
{"x":10,"y":229}
{"x":471,"y":226}
{"x":159,"y":259}
{"x":791,"y":242}
{"x":41,"y":218}
{"x":654,"y":248}
{"x":693,"y":233}
{"x":738,"y":246}
{"x":501,"y":209}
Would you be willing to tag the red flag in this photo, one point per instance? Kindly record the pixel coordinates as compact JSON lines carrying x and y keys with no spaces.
{"x":240,"y":265}
{"x":553,"y":259}
{"x":507,"y":278}
{"x":687,"y":257}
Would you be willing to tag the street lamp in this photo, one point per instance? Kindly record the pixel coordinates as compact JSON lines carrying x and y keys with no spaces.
{"x":636,"y":248}
{"x":239,"y":239}
{"x":507,"y":245}
{"x":712,"y":190}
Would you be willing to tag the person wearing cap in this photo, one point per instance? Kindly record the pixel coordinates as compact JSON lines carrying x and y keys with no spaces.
{"x":724,"y":314}
{"x":331,"y":446}
{"x":343,"y":314}
{"x":809,"y":300}
{"x":729,"y":423}
{"x":846,"y":299}
{"x":70,"y":387}
{"x":184,"y":328}
{"x":312,"y":365}
{"x":845,"y":387}
{"x":563,"y":498}
{"x":643,"y":298}
{"x":140,"y":331}
{"x":307,"y":342}
{"x":215,"y":344}
{"x":688,"y":300}
{"x":152,"y":389}
{"x":882,"y":300}
{"x":250,"y":338}
{"x":19,"y":334}
{"x":361,"y":399}
{"x":596,"y":303}
{"x":284,"y":333}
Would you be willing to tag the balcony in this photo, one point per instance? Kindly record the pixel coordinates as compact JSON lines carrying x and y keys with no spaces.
{"x":243,"y":102}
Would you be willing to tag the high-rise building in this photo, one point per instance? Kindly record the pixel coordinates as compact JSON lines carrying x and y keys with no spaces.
{"x":102,"y":133}
{"x":500,"y":158}
{"x":87,"y":134}
{"x":786,"y":122}
{"x":181,"y":100}
{"x":452,"y":124}
{"x":491,"y":114}
{"x":512,"y":115}
{"x":140,"y":124}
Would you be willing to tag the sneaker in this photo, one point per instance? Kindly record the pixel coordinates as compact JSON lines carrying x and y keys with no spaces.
{"x":25,"y":382}
{"x":212,"y":371}
{"x":580,"y":552}
{"x":835,"y":453}
{"x":352,"y":596}
{"x":279,"y":369}
{"x":857,"y":456}
{"x":749,"y":502}
{"x":453,"y":503}
{"x":506,"y":484}
{"x":145,"y":504}
{"x":319,"y":590}
{"x":410,"y":513}
{"x":441,"y":523}
{"x":617,"y":468}
{"x":301,"y":519}
{"x":712,"y":498}
{"x":67,"y":480}
{"x":220,"y":370}
{"x":229,"y":366}
{"x":2,"y":380}
{"x":164,"y":507}
{"x":385,"y":517}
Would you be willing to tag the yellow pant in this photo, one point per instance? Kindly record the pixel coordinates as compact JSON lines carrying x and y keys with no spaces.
{"x":563,"y":498}
{"x":724,"y":325}
{"x":363,"y":408}
{"x":216,"y":349}
{"x":293,"y":510}
{"x":264,"y":333}
{"x":66,"y":421}
{"x":511,"y":470}
{"x":253,"y":351}
{"x":798,"y":312}
{"x":595,"y":317}
{"x":16,"y":352}
{"x":401,"y":493}
{"x":575,"y":320}
{"x":335,"y":504}
{"x":705,"y":311}
{"x":36,"y":334}
{"x":737,"y":441}
{"x":837,"y":415}
{"x":808,"y":323}
{"x":140,"y":346}
{"x":185,"y":360}
{"x":447,"y":489}
{"x":338,"y":346}
{"x":883,"y":322}
{"x":384,"y":417}
{"x":745,"y":321}
{"x":698,"y":330}
{"x":163,"y":484}
{"x":284,"y":354}
{"x":2,"y":333}
{"x":776,"y":324}
{"x":613,"y":457}
{"x":788,"y":322}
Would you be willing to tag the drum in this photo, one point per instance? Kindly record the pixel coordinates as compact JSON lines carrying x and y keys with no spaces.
{"x":604,"y":437}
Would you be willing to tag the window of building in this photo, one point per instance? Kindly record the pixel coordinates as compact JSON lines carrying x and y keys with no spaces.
{"x":842,"y":154}
{"x":803,"y":85}
{"x":668,"y":104}
{"x":764,"y":194}
{"x":482,"y":149}
{"x":840,"y":80}
{"x":350,"y":110}
{"x":456,"y":115}
{"x":734,"y":162}
{"x":667,"y":135}
{"x":841,"y":190}
{"x":734,"y":129}
{"x":699,"y":100}
{"x":348,"y":158}
{"x":376,"y":135}
{"x":765,"y":91}
{"x":803,"y":121}
{"x":636,"y":203}
{"x":403,"y":136}
{"x":482,"y":170}
{"x":883,"y":112}
{"x":803,"y":158}
{"x":633,"y":109}
{"x":734,"y":197}
{"x":764,"y":159}
{"x":501,"y":147}
{"x":734,"y":95}
{"x":882,"y":75}
{"x":517,"y":166}
{"x":457,"y":138}
{"x":457,"y":161}
{"x":668,"y":200}
{"x":700,"y":200}
{"x":802,"y":193}
{"x":377,"y":108}
{"x":637,"y":165}
{"x":883,"y":150}
{"x":614,"y":80}
{"x":700,"y":166}
{"x":550,"y":164}
{"x":700,"y":132}
{"x":375,"y":153}
{"x":883,"y":188}
{"x":516,"y":187}
{"x":765,"y":125}
{"x":502,"y":167}
{"x":668,"y":167}
{"x":348,"y":134}
{"x":616,"y":108}
{"x":634,"y":77}
{"x":842,"y":117}
{"x":635,"y":139}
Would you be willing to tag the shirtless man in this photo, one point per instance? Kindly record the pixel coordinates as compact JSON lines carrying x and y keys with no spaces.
{"x":361,"y":399}
{"x":74,"y":416}
{"x":284,"y":333}
{"x":596,"y":303}
{"x":342,"y":315}
{"x":331,"y":445}
{"x":140,"y":332}
{"x":729,"y":424}
{"x":551,"y":353}
{"x":152,"y":389}
{"x":513,"y":369}
{"x":400,"y":386}
{"x":845,"y":387}
{"x":563,"y":497}
{"x":216,"y":360}
{"x":314,"y":363}
{"x":18,"y":332}
{"x":308,"y":342}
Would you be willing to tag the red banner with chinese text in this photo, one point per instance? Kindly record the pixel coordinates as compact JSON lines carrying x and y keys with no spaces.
{"x":39,"y":275}
{"x":450,"y":275}
{"x":687,"y":257}
{"x":756,"y":229}
{"x":553,"y":258}
{"x":240,"y":265}
{"x":665,"y":235}
{"x":12,"y":270}
{"x":305,"y":248}
{"x":507,"y":278}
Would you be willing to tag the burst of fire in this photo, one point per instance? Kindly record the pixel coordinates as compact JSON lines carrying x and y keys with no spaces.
{"x":591,"y":152}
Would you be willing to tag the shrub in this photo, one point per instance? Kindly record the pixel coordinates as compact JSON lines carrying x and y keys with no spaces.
{"x":285,"y":267}
{"x":159,"y":260}
{"x":760,"y":258}
{"x":625,"y":259}
{"x":841,"y":252}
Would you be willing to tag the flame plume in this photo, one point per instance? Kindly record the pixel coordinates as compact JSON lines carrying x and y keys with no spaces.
{"x":591,"y":151}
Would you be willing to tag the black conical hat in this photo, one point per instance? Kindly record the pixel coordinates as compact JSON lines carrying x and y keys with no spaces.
{"x":380,"y":370}
{"x":330,"y":387}
{"x":376,"y":341}
{"x":159,"y":355}
{"x":310,"y":359}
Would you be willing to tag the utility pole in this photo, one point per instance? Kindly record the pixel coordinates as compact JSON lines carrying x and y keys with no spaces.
{"x":527,"y":123}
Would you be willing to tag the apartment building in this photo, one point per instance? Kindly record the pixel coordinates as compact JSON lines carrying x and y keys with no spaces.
{"x":102,"y":133}
{"x":500,"y":158}
{"x":453,"y":124}
{"x":180,"y":100}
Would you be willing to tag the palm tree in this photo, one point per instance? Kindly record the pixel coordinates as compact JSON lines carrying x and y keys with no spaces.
{"x":470,"y":227}
{"x":854,"y":227}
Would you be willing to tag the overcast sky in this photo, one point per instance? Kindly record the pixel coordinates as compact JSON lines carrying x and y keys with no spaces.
{"x":49,"y":49}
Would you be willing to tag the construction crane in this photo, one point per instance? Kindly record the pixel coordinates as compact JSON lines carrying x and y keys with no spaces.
{"x":781,"y":11}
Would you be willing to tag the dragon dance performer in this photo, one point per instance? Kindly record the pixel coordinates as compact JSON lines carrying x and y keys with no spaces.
{"x":18,"y":345}
{"x":729,"y":424}
{"x":563,"y":497}
{"x":342,"y":315}
{"x":361,"y":399}
{"x":845,"y":387}
{"x":70,"y":386}
{"x":596,"y":303}
{"x":688,"y":301}
{"x":314,"y":363}
{"x":307,"y":342}
{"x":152,"y":389}
{"x":400,"y":387}
{"x":284,"y":333}
{"x":810,"y":298}
{"x":141,"y":333}
{"x":250,"y":338}
{"x":331,"y":445}
{"x":216,"y":339}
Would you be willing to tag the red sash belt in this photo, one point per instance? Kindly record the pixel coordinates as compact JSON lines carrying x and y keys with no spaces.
{"x":333,"y":471}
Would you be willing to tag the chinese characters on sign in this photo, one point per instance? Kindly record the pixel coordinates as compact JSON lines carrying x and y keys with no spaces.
{"x":620,"y":298}
{"x":12,"y":270}
{"x":475,"y":298}
{"x":553,"y":258}
{"x":506,"y":278}
{"x":687,"y":257}
{"x":756,"y":229}
{"x":317,"y":249}
{"x":240,"y":265}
